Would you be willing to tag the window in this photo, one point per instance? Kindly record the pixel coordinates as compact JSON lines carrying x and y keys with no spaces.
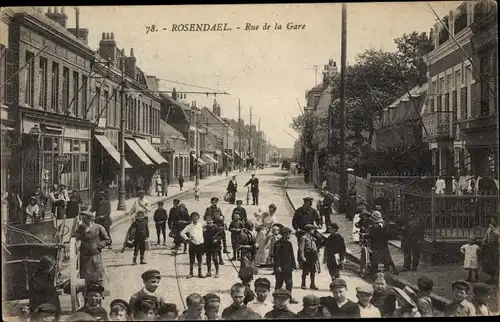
{"x":54,"y":96}
{"x":84,"y":97}
{"x":449,"y":82}
{"x":468,"y":75}
{"x":116,"y":114}
{"x":484,"y":67}
{"x":76,"y":94}
{"x":434,"y":88}
{"x":441,"y":88}
{"x":75,"y":172}
{"x":461,"y":18}
{"x":65,"y":89}
{"x":443,"y":33}
{"x":97,"y":104}
{"x":42,"y":101}
{"x":112,"y":109}
{"x":105,"y":107}
{"x":29,"y":78}
{"x":458,"y":80}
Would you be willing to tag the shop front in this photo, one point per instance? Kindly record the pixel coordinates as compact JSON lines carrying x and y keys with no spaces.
{"x":211,"y":163}
{"x":160,"y":164}
{"x":143,"y":167}
{"x":52,"y":154}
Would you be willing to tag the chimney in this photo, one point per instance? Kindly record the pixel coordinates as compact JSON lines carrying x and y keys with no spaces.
{"x":107,"y":47}
{"x":82,"y":34}
{"x":130,"y":65}
{"x":61,"y":18}
{"x":218,"y":110}
{"x":214,"y":107}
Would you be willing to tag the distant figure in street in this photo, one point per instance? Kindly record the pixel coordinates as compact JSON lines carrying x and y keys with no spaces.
{"x":140,"y":183}
{"x":489,"y":251}
{"x":41,"y":201}
{"x":159,"y":186}
{"x":103,"y":214}
{"x":160,"y":218}
{"x":73,"y":207}
{"x":471,"y":255}
{"x":307,"y":175}
{"x":240,"y":210}
{"x":140,"y":226}
{"x":165,"y":182}
{"x":194,"y":234}
{"x":15,"y":206}
{"x":413,"y":235}
{"x":325,"y":206}
{"x":254,"y":189}
{"x":351,"y":202}
{"x":440,"y":186}
{"x":380,"y":244}
{"x":212,"y":240}
{"x":232,"y":187}
{"x":235,"y":228}
{"x":178,"y":219}
{"x":181,"y":182}
{"x":218,"y":218}
{"x":197,"y":192}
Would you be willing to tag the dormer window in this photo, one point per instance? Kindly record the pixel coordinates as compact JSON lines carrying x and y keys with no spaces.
{"x":443,"y":33}
{"x":461,"y":18}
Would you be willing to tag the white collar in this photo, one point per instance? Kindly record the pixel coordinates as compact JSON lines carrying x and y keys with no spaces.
{"x":148,"y":292}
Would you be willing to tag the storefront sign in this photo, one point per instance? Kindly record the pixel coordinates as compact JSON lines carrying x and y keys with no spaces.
{"x":155,"y":140}
{"x":61,"y":159}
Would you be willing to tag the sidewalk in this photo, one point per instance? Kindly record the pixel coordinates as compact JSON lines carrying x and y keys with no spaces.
{"x":118,"y":216}
{"x":443,"y":275}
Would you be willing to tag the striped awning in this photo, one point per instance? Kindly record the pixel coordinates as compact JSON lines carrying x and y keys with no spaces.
{"x":209,"y":158}
{"x":200,"y":161}
{"x":111,"y":149}
{"x":138,"y":152}
{"x":151,"y":152}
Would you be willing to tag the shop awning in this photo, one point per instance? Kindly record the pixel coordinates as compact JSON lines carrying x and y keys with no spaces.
{"x":209,"y":158}
{"x":138,"y":152}
{"x":111,"y":150}
{"x":151,"y":152}
{"x":200,"y":161}
{"x":228,"y":156}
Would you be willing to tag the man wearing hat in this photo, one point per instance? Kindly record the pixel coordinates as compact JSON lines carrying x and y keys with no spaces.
{"x":93,"y":239}
{"x":303,"y":216}
{"x":364,"y":294}
{"x":284,"y":261}
{"x":261,"y":304}
{"x":93,"y":302}
{"x":338,"y":305}
{"x":216,"y":213}
{"x":280,"y":309}
{"x":232,"y":187}
{"x":240,"y":210}
{"x":407,"y":299}
{"x":460,"y":306}
{"x":103,"y":213}
{"x":311,"y":305}
{"x":41,"y":286}
{"x":151,"y":280}
{"x":380,"y":244}
{"x":254,"y":189}
{"x":413,"y":235}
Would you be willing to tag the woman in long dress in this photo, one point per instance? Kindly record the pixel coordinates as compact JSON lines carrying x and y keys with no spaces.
{"x":264,"y":232}
{"x":489,"y":251}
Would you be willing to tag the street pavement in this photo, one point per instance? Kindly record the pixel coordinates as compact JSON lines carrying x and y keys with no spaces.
{"x":443,"y":274}
{"x":175,"y":287}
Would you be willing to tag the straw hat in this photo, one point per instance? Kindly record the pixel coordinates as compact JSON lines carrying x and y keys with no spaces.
{"x":376,"y":217}
{"x":407,"y":295}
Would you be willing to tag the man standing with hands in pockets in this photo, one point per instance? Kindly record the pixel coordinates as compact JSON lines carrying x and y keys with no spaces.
{"x":254,"y":189}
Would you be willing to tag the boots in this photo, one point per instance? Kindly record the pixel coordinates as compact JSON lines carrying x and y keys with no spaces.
{"x":221,"y":262}
{"x":134,"y":260}
{"x":190,"y":271}
{"x":303,"y":285}
{"x":200,"y":274}
{"x":143,"y":261}
{"x":313,"y":285}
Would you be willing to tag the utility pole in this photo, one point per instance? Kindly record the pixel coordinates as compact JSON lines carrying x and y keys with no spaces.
{"x":258,"y":144}
{"x":250,"y":145}
{"x":123,"y":109}
{"x":197,"y":142}
{"x":343,"y":173}
{"x":239,"y":134}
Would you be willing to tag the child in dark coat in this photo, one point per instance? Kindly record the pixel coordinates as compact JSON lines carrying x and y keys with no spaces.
{"x":140,"y":225}
{"x":335,"y":252}
{"x":212,"y":239}
{"x":235,"y":228}
{"x":284,"y":262}
{"x":160,"y":217}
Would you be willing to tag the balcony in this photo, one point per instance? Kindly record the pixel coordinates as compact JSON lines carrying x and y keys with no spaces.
{"x":439,"y":126}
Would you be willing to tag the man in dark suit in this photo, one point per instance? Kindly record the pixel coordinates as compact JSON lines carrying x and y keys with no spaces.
{"x":103,"y":213}
{"x":254,"y":189}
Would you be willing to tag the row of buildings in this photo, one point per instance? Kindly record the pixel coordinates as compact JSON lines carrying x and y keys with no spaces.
{"x":453,"y":111}
{"x":63,"y":105}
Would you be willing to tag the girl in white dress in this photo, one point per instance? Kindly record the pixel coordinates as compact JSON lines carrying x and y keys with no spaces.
{"x":264,"y":232}
{"x":470,"y":251}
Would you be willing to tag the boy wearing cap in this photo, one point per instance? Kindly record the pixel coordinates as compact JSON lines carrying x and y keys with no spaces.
{"x":366,"y":309}
{"x":284,"y":262}
{"x":216,"y":213}
{"x":212,"y":306}
{"x":261,"y":304}
{"x":335,"y":252}
{"x":338,"y":305}
{"x":151,"y":280}
{"x":168,"y":312}
{"x":160,"y":217}
{"x":93,"y":302}
{"x":140,"y":226}
{"x":304,"y":215}
{"x":482,"y":293}
{"x":460,"y":306}
{"x":146,"y":309}
{"x":194,"y":234}
{"x":212,"y":237}
{"x":280,"y":309}
{"x":235,"y":228}
{"x":308,"y":253}
{"x":240,"y":210}
{"x":238,"y":309}
{"x":424,"y":301}
{"x":195,"y":306}
{"x":311,"y":308}
{"x":119,"y":310}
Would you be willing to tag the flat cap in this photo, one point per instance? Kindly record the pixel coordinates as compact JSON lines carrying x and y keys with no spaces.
{"x":149,"y":302}
{"x":366,"y":289}
{"x":281,"y":292}
{"x":338,"y":282}
{"x":261,"y":281}
{"x":481,"y":288}
{"x":307,"y":199}
{"x":120,"y":303}
{"x":311,"y":299}
{"x":151,"y":273}
{"x":176,"y":200}
{"x":94,"y":287}
{"x":166,"y":308}
{"x":214,"y":199}
{"x":239,"y":201}
{"x":285,"y":231}
{"x":46,"y":308}
{"x":87,"y":213}
{"x":211,"y":297}
{"x":461,"y":283}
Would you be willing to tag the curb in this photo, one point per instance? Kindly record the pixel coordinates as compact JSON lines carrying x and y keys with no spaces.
{"x":123,"y":217}
{"x":438,"y":301}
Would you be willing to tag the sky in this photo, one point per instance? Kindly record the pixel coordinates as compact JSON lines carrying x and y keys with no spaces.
{"x":267,"y":70}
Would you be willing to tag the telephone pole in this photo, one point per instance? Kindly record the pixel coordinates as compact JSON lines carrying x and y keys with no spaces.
{"x":343,"y":173}
{"x":250,"y":145}
{"x":123,"y":107}
{"x":258,"y":144}
{"x":239,"y":134}
{"x":197,"y":143}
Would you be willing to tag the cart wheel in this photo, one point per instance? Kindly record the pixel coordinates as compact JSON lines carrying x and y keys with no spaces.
{"x":65,"y":230}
